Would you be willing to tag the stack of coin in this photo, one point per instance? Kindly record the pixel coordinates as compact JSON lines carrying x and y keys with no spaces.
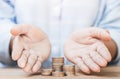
{"x":57,"y":63}
{"x":46,"y":72}
{"x":69,"y":70}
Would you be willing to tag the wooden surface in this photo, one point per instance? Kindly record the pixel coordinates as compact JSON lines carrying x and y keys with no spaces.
{"x":15,"y":73}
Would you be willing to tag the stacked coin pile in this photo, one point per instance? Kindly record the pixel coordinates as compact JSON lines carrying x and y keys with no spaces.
{"x":69,"y":70}
{"x":57,"y":63}
{"x":57,"y":66}
{"x":60,"y":70}
{"x":46,"y":72}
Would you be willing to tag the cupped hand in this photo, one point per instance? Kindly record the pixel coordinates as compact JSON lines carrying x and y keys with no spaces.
{"x":30,"y":47}
{"x":86,"y":49}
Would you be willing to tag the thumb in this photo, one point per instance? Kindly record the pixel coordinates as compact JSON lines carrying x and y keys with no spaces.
{"x":31,"y":32}
{"x":100,"y":34}
{"x":19,"y":30}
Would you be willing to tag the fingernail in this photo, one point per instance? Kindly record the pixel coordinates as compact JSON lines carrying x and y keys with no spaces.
{"x":21,"y":65}
{"x":103,"y":63}
{"x":96,"y":69}
{"x":34,"y":70}
{"x":86,"y":70}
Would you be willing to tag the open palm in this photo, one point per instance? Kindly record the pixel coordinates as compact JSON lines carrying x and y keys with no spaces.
{"x":87,"y":51}
{"x":31,"y":47}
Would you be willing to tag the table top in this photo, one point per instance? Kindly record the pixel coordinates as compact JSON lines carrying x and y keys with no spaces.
{"x":16,"y":73}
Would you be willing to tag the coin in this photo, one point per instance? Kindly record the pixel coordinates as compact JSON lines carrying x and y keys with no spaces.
{"x":58,"y":59}
{"x":69,"y":68}
{"x":70,"y":73}
{"x":60,"y":64}
{"x":57,"y":68}
{"x":46,"y":72}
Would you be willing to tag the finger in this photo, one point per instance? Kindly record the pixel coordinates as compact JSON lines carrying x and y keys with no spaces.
{"x":104,"y":52}
{"x":31,"y":61}
{"x":23,"y":59}
{"x":89,"y":62}
{"x":17,"y":48}
{"x":19,"y":29}
{"x":37,"y":65}
{"x":98,"y":59}
{"x":81,"y":65}
{"x":99,"y":33}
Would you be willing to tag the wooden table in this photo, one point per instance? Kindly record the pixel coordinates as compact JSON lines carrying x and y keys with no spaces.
{"x":15,"y":73}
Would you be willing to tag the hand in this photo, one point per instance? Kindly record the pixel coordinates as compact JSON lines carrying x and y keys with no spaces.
{"x":86,"y":49}
{"x":30,"y":47}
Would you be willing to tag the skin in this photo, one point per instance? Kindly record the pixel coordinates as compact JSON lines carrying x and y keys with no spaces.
{"x":30,"y":47}
{"x":90,"y":49}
